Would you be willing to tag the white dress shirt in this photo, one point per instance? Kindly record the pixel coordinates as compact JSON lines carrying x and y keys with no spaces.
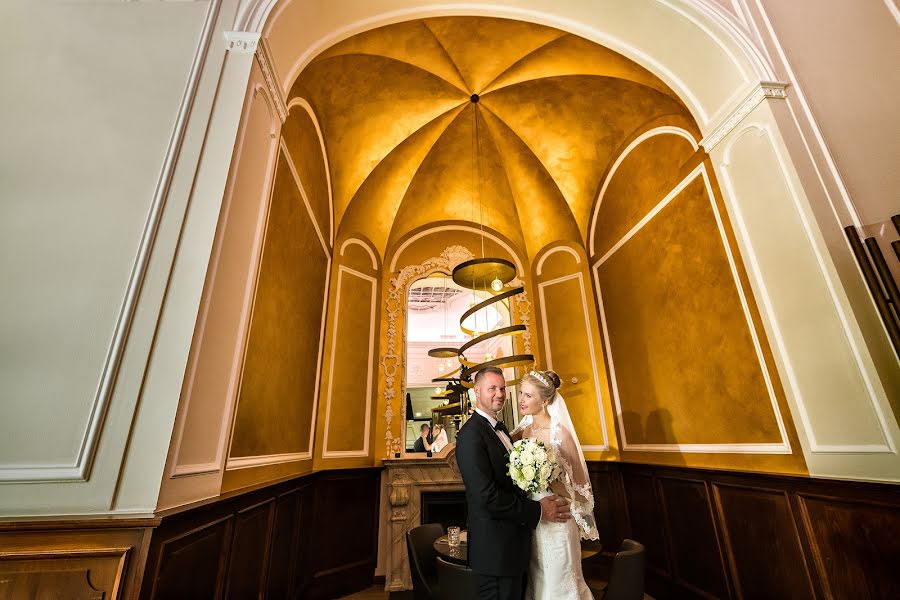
{"x":492,"y":419}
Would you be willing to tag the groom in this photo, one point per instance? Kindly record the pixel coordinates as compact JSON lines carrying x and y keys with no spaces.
{"x":501,"y":517}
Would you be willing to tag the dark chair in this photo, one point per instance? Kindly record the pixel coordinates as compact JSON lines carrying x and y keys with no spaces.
{"x":422,"y":557}
{"x":456,"y":581}
{"x":626,"y":579}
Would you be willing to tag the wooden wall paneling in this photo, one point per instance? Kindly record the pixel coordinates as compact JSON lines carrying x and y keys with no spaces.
{"x":855,"y":546}
{"x":87,"y":558}
{"x":345,"y":536}
{"x":606,"y":483}
{"x":763,"y":543}
{"x":697,"y":561}
{"x":190,"y":561}
{"x":645,"y":519}
{"x":248,"y":564}
{"x":282,"y":578}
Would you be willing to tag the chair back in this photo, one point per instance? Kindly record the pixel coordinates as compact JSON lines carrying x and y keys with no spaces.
{"x":422,"y":555}
{"x":456,"y":581}
{"x":626,"y":580}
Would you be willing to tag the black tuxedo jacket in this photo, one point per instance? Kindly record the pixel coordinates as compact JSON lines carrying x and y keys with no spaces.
{"x":501,"y":517}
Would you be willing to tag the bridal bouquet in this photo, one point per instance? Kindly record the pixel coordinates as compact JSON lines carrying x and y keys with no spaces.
{"x":532,"y":465}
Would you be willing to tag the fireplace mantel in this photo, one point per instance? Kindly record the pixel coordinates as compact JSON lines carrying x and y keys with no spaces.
{"x":408,"y":478}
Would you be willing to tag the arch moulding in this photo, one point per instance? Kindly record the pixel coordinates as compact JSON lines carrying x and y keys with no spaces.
{"x":392,"y":378}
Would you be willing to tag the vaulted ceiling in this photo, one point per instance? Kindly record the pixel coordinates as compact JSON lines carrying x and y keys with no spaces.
{"x":554,"y":110}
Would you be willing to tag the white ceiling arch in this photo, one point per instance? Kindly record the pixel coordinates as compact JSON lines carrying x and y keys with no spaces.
{"x":706,"y":56}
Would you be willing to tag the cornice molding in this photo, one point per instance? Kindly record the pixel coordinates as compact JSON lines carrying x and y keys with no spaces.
{"x":241,"y":42}
{"x":765,"y":90}
{"x":267,"y":66}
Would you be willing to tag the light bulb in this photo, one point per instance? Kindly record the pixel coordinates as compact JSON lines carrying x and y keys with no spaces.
{"x":496,"y":285}
{"x":437,"y":390}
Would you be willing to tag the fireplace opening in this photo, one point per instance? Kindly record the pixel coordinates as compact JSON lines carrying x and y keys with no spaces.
{"x":446,"y":508}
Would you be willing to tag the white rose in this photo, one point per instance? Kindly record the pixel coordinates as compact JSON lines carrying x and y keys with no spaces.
{"x":540,"y":455}
{"x":528,"y":473}
{"x":527,"y":458}
{"x":545,"y":471}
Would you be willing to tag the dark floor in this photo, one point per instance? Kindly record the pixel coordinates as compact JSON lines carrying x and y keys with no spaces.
{"x":376,"y":592}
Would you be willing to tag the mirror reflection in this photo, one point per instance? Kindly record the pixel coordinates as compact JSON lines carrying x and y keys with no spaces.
{"x":435,"y":406}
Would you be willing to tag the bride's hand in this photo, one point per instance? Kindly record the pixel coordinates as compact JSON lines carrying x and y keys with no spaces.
{"x":554,"y":508}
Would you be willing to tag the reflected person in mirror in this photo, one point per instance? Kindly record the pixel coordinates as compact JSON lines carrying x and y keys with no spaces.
{"x":423,"y":442}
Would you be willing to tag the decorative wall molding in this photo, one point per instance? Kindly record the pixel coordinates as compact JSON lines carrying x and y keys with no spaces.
{"x":887,"y":445}
{"x":267,"y":66}
{"x":357,"y":242}
{"x":783,"y":447}
{"x":468,"y":228}
{"x":370,"y":375}
{"x":79,"y":469}
{"x":604,"y":447}
{"x":394,"y":357}
{"x":664,"y":130}
{"x":540,"y":264}
{"x":305,"y":105}
{"x":232,"y":463}
{"x":179,"y":469}
{"x":245,"y":462}
{"x":241,"y":42}
{"x":765,"y":90}
{"x":523,"y":308}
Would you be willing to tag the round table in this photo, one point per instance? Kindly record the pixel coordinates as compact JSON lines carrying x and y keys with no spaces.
{"x":455,"y":554}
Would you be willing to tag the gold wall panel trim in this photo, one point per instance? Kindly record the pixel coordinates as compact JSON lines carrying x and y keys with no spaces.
{"x":663,"y":130}
{"x":325,"y":241}
{"x":566,"y":249}
{"x":513,"y":254}
{"x":357,"y":242}
{"x":783,"y":447}
{"x":588,"y":330}
{"x":303,"y":104}
{"x":364,"y":451}
{"x":251,"y":460}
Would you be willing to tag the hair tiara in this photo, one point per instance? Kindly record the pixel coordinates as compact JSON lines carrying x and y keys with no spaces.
{"x":540,"y":377}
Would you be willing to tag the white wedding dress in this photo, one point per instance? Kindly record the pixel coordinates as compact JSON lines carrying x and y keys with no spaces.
{"x":555,"y":569}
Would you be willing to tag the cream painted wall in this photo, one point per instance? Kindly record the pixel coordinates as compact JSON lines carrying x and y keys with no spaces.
{"x":851,"y":88}
{"x":99,"y":139}
{"x":839,"y":405}
{"x":843,"y":136}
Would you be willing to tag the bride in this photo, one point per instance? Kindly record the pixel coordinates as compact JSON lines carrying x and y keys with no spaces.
{"x":555,"y":569}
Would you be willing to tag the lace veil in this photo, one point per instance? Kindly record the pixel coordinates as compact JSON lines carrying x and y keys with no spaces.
{"x":573,"y":467}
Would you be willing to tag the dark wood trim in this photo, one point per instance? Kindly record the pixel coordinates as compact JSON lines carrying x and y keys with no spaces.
{"x":75,"y":523}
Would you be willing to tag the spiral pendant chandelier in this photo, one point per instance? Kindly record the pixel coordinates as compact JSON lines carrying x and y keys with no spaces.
{"x":481,"y":274}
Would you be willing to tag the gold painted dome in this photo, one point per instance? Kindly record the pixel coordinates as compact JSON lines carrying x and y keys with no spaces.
{"x":554,"y":110}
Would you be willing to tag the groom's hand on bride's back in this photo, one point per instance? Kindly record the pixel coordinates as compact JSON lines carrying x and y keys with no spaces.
{"x":556,"y":509}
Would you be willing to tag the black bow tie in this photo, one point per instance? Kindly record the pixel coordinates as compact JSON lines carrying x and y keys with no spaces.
{"x":500,"y":426}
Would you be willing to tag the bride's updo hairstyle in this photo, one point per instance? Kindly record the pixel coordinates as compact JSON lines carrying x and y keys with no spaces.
{"x":546,"y":383}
